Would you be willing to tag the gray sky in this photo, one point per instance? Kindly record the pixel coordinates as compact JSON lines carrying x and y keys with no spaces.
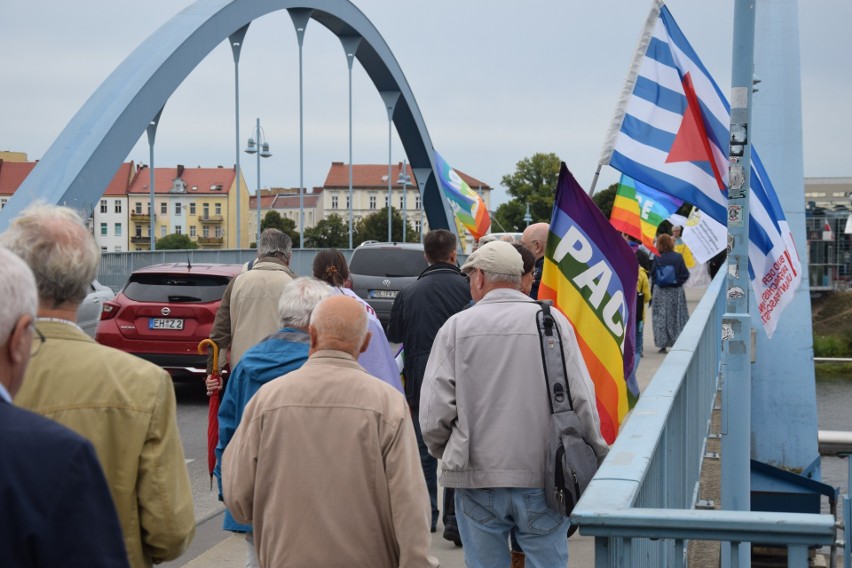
{"x":495,"y":81}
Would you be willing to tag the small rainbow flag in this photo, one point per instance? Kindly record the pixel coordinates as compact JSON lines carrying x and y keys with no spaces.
{"x":590,"y":274}
{"x":639,"y":209}
{"x":467,"y":205}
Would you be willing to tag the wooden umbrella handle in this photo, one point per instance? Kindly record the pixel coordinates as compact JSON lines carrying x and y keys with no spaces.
{"x":212,"y":344}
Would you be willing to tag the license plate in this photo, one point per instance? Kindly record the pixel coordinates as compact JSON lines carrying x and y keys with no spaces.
{"x":165,"y":323}
{"x":391,"y":294}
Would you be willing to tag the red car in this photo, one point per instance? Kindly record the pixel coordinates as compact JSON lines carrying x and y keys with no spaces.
{"x":164,"y":311}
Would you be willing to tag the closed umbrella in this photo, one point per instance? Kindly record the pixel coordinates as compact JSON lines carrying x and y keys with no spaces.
{"x":213,"y":410}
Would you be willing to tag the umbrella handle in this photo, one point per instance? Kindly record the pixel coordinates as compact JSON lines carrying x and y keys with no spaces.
{"x":212,"y":344}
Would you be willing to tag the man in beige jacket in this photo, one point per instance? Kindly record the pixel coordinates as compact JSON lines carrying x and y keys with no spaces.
{"x":343,"y":486}
{"x":123,"y":405}
{"x":249,"y":308}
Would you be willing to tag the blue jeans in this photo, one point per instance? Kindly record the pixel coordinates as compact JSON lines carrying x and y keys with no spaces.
{"x":486,"y":517}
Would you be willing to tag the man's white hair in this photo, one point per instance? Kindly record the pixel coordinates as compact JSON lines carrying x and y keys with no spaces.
{"x":58,"y":248}
{"x":19,"y":297}
{"x":298,"y":300}
{"x":499,"y":278}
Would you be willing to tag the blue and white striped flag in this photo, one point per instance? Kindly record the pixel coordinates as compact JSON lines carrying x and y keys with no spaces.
{"x":670,"y":132}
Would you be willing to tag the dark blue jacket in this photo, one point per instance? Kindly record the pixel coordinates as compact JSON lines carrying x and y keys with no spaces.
{"x":674,"y":259}
{"x":419,"y":311}
{"x":55,"y":506}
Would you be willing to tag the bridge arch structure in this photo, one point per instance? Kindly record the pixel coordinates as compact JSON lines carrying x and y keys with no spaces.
{"x":82,"y":160}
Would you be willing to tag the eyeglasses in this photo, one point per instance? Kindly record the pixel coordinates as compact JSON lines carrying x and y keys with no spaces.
{"x":38,"y":341}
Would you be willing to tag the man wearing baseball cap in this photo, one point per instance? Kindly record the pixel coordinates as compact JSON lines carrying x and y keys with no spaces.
{"x":485,"y":412}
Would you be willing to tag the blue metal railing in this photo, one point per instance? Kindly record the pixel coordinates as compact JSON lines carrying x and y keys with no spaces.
{"x":639,"y":506}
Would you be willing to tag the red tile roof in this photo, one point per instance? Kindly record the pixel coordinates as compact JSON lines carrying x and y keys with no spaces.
{"x":284,"y":201}
{"x":375,"y":176}
{"x":203,"y":179}
{"x":121,"y":180}
{"x":12,"y":175}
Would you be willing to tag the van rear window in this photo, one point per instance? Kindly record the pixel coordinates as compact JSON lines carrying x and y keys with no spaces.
{"x":387,"y":262}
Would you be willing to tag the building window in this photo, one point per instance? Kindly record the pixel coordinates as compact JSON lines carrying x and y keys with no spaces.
{"x":372,"y":202}
{"x":139,"y":231}
{"x":418,"y":226}
{"x":178,"y":209}
{"x":192,"y":209}
{"x":401,"y":198}
{"x":164,"y":208}
{"x":103,"y":206}
{"x":417,"y":201}
{"x":205,"y":211}
{"x":162,"y":231}
{"x":138,"y":207}
{"x":117,"y":248}
{"x":118,"y":229}
{"x":218,"y":207}
{"x":205,"y":231}
{"x":347,"y":202}
{"x":104,"y":230}
{"x":103,"y":249}
{"x":218,"y":232}
{"x":334,"y":202}
{"x":387,"y":200}
{"x":192,"y":231}
{"x":117,"y":205}
{"x":178,"y":230}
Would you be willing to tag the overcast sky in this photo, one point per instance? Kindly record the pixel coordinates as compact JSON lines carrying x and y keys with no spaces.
{"x":495,"y":81}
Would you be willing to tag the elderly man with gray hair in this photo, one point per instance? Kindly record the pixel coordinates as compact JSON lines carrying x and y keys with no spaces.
{"x":123,"y":405}
{"x":248,"y":311}
{"x":485,"y":412}
{"x":284,"y":351}
{"x":53,"y":495}
{"x":325,"y":463}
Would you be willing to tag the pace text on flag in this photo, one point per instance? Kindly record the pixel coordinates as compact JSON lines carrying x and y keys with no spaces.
{"x":590,"y":274}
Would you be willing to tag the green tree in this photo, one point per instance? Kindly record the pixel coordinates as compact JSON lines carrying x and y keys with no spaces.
{"x":374,"y":227}
{"x":176,"y":241}
{"x":329,"y":232}
{"x":509,"y":217}
{"x":533,"y":183}
{"x":274,"y":220}
{"x":605,"y":198}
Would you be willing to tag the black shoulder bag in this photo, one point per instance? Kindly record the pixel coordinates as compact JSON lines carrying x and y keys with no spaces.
{"x":571,"y":461}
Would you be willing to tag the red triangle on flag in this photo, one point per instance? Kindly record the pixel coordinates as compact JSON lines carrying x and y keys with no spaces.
{"x":691,"y":143}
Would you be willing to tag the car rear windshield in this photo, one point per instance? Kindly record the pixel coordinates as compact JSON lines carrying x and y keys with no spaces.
{"x":175,"y":288}
{"x":388,"y":262}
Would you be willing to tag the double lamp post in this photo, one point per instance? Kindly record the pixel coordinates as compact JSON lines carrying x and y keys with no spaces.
{"x":258,"y":145}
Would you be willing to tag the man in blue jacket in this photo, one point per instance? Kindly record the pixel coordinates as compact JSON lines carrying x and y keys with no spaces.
{"x":55,"y":506}
{"x":284,"y":351}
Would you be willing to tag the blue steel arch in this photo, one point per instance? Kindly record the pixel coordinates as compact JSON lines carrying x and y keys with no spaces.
{"x":82,"y":160}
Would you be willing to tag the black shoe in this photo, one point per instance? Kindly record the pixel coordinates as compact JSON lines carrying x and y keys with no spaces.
{"x":451,"y":531}
{"x":663,"y":350}
{"x":433,"y":529}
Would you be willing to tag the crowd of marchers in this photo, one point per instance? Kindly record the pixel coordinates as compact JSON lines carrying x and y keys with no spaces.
{"x":327,"y":454}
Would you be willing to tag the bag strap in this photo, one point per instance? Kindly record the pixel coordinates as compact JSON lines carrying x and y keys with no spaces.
{"x":553,"y":360}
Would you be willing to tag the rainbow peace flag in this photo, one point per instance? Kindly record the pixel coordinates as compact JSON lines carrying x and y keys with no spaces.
{"x":590,"y":274}
{"x":466,"y":204}
{"x":639,"y":209}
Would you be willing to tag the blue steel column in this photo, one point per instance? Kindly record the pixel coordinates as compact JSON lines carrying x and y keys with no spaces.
{"x":350,"y":48}
{"x":300,"y":18}
{"x":152,"y":135}
{"x":236,"y":41}
{"x":736,"y":322}
{"x":783,"y":375}
{"x":390,"y":99}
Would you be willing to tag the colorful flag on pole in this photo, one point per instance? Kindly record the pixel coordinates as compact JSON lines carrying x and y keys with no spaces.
{"x":671,"y":131}
{"x":466,"y":204}
{"x":638,"y":210}
{"x":590,"y":273}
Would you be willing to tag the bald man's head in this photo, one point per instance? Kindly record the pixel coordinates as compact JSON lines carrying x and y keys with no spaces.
{"x":339,"y":323}
{"x":535,"y":238}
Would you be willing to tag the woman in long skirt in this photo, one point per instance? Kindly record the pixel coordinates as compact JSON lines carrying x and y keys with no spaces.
{"x":669,"y":309}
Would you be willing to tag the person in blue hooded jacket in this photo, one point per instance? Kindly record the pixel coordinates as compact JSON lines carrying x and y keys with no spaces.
{"x":284,"y":351}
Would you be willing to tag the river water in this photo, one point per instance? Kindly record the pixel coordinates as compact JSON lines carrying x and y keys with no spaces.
{"x":834,"y":412}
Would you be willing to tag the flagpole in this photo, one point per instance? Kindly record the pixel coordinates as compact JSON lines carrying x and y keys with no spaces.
{"x":736,"y":322}
{"x":595,"y":181}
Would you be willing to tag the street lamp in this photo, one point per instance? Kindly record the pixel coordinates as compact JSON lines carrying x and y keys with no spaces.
{"x":527,"y":216}
{"x":404,"y":179}
{"x":264,"y":152}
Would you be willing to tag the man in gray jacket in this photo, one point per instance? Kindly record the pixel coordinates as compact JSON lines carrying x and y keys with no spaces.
{"x":485,"y":413}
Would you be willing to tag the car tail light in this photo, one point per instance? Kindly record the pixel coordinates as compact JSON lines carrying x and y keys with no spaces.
{"x":109,"y":311}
